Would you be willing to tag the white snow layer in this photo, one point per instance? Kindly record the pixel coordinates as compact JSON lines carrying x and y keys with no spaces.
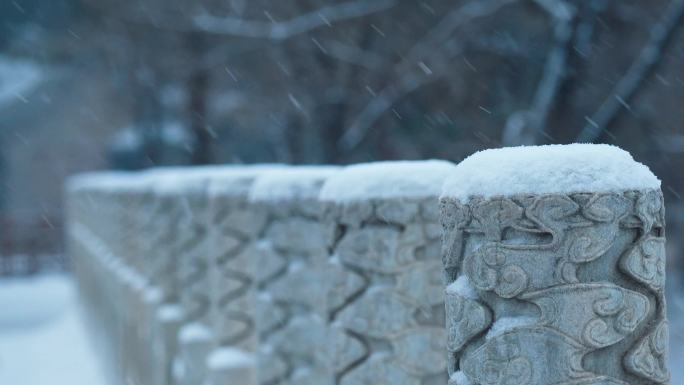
{"x":225,"y":358}
{"x":194,"y":332}
{"x":175,"y":180}
{"x":459,"y":378}
{"x":462,"y":286}
{"x":170,"y":313}
{"x":240,"y":180}
{"x":505,"y":324}
{"x":42,"y":338}
{"x":547,"y":169}
{"x":302,"y":182}
{"x":392,"y":179}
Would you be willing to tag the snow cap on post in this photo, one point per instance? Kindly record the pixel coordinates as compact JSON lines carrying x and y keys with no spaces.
{"x":291,"y":184}
{"x":384,"y":180}
{"x":102,"y":181}
{"x":238,"y":181}
{"x":549,"y":169}
{"x":178,"y":180}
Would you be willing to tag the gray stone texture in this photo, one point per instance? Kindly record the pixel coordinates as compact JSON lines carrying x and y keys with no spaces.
{"x":385,"y":304}
{"x":291,"y":317}
{"x":568,"y":289}
{"x":234,"y":226}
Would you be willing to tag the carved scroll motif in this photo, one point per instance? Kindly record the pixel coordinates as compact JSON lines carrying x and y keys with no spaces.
{"x":648,"y":359}
{"x":553,"y":260}
{"x":597,"y":315}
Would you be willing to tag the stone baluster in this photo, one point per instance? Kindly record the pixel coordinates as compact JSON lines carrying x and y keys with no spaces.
{"x":555,"y":260}
{"x":291,"y":256}
{"x":163,"y":263}
{"x":385,"y":306}
{"x":195,"y":338}
{"x":234,"y":226}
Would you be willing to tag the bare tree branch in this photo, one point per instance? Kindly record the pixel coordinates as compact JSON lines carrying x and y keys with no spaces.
{"x":388,"y":96}
{"x":354,"y":55}
{"x":434,"y":46}
{"x":456,"y":18}
{"x":324,"y":16}
{"x":627,"y":87}
{"x":525,"y":127}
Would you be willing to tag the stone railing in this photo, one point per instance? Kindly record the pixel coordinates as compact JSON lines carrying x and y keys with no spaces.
{"x":271,"y":274}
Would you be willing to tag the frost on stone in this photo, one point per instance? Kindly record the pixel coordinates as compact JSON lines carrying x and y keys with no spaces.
{"x":459,"y":378}
{"x":225,"y":358}
{"x":573,"y":168}
{"x":170,"y":313}
{"x":462,"y":286}
{"x":194,"y":332}
{"x":505,"y":324}
{"x":382,"y":180}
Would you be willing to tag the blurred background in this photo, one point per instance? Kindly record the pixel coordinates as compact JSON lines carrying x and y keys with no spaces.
{"x":109,"y":84}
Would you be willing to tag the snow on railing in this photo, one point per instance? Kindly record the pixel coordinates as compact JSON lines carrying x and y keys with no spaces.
{"x":273,"y":274}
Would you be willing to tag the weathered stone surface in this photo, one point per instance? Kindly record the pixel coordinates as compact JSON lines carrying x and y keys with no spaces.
{"x":465,"y":318}
{"x":566,"y":289}
{"x":648,"y":358}
{"x":345,"y":349}
{"x":419,"y":350}
{"x":536,"y":355}
{"x":233,"y":229}
{"x":290,"y":272}
{"x":597,"y":315}
{"x":379,"y":368}
{"x":646,"y":262}
{"x":385,"y":299}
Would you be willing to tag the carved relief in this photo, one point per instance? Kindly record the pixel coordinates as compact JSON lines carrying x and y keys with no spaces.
{"x":578,"y":234}
{"x":380,"y":311}
{"x":597,"y":315}
{"x":232,"y":276}
{"x":193,"y":260}
{"x":648,"y":359}
{"x":380,"y":368}
{"x":386,"y":298}
{"x":532,"y":355}
{"x":646,"y":262}
{"x":560,"y":254}
{"x":420,"y":350}
{"x":465,"y":318}
{"x":293,"y":243}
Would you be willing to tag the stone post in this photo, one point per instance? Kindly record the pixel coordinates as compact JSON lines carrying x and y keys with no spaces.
{"x":178,"y":270}
{"x":195,"y":337}
{"x":163,"y":266}
{"x":385,"y":306}
{"x":555,"y":261}
{"x":291,"y":255}
{"x":234,"y":226}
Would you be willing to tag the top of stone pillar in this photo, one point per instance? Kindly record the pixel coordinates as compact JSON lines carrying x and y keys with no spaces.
{"x":238,"y":181}
{"x":101,"y":181}
{"x":387,"y":180}
{"x":550,"y":169}
{"x":183,"y":180}
{"x":291,"y":184}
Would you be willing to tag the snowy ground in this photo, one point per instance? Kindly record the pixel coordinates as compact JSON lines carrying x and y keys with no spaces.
{"x":42,"y":338}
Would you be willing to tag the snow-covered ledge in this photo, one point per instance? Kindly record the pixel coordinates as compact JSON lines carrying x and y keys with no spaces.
{"x":385,"y":303}
{"x":555,"y":259}
{"x":291,"y":255}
